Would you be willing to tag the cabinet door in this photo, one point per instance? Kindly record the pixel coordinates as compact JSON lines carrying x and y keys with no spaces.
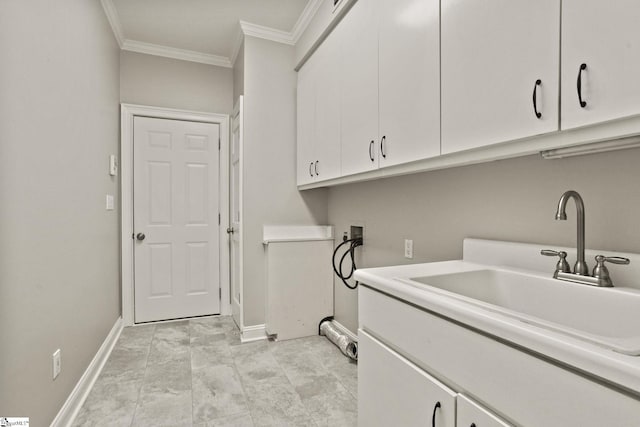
{"x":471,"y":414}
{"x":305,"y":122}
{"x":493,"y":53}
{"x":409,"y":80}
{"x":605,"y":36}
{"x":357,"y":34}
{"x":394,"y":392}
{"x":327,"y":116}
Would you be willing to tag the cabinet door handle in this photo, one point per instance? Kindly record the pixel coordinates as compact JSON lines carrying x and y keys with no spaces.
{"x":382,"y":144}
{"x":473,"y":425}
{"x":370,"y":150}
{"x":315,"y":167}
{"x":535,"y":103}
{"x":583,"y":67}
{"x":433,"y":417}
{"x":310,"y":171}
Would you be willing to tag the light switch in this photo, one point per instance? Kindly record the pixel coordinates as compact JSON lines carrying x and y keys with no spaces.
{"x":113,"y":165}
{"x":110,"y":202}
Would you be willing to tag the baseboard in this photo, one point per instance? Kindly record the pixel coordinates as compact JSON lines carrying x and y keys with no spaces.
{"x":74,"y":402}
{"x":253,"y":333}
{"x":343,"y":329}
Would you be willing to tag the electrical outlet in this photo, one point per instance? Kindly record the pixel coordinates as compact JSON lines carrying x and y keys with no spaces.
{"x":57,"y":363}
{"x":408,"y":248}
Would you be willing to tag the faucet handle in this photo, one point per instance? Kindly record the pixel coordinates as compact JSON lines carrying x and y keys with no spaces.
{"x":601,"y":272}
{"x":562,"y":264}
{"x":601,"y":259}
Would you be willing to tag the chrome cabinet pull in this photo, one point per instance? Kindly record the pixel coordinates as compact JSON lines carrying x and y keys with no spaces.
{"x":382,"y":144}
{"x":310,"y":171}
{"x":370,"y":150}
{"x":315,"y":167}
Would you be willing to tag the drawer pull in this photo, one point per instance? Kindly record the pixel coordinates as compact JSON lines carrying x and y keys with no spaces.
{"x":371,"y":152}
{"x":433,"y":417}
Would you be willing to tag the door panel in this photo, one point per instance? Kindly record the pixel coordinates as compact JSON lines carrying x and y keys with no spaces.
{"x":604,"y":36}
{"x":357,"y":35}
{"x":493,"y":52}
{"x":394,"y":392}
{"x":176,"y":167}
{"x":409,"y":80}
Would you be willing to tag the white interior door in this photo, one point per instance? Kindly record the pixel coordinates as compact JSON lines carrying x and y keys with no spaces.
{"x":176,"y":207}
{"x":236,"y":213}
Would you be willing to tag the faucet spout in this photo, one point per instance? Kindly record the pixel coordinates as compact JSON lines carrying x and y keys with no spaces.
{"x":580,"y":266}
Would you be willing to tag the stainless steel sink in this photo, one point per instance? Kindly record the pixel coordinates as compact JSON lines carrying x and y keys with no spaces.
{"x":609,"y":317}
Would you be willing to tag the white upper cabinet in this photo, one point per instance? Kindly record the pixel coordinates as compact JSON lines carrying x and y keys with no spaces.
{"x":305,"y":122}
{"x":605,"y":36}
{"x":494,"y":53}
{"x":358,"y":36}
{"x":318,"y":121}
{"x":327,"y":115}
{"x":409,"y":80}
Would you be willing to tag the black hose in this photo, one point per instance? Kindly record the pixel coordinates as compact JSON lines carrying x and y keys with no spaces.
{"x":353,"y":244}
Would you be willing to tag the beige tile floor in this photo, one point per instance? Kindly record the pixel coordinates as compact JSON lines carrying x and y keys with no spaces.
{"x":197,"y":373}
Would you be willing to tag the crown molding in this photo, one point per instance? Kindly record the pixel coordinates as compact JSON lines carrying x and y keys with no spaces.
{"x":245,"y":29}
{"x":114,"y":20}
{"x":171,"y":52}
{"x":305,"y":18}
{"x":266,"y":33}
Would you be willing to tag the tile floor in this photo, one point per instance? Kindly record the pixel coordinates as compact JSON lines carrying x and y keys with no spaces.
{"x":196,"y":373}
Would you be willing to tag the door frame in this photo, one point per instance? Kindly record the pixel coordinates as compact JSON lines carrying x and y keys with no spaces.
{"x":127,"y":113}
{"x":238,"y":110}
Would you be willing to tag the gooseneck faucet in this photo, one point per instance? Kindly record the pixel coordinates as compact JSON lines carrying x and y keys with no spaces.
{"x":581,"y":266}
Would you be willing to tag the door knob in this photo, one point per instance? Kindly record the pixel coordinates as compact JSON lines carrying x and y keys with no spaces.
{"x":230,"y":230}
{"x":140,"y":236}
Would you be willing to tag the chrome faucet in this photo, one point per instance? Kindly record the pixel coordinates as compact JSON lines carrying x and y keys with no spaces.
{"x":600,"y":276}
{"x":580,"y":266}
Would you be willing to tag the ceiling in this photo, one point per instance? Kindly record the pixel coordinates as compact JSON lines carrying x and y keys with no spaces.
{"x":202,"y":29}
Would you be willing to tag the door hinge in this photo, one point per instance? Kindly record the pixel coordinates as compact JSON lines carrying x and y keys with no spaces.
{"x":220,"y":293}
{"x":218,"y":144}
{"x":218,"y":218}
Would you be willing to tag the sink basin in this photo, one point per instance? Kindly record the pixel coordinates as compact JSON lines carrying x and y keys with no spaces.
{"x":608,"y":317}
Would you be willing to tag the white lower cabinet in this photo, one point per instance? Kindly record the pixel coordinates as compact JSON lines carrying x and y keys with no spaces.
{"x":392,"y":391}
{"x":471,"y":414}
{"x":403,"y":349}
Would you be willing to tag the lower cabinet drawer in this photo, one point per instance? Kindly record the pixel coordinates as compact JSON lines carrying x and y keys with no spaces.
{"x":392,"y":391}
{"x":471,"y":414}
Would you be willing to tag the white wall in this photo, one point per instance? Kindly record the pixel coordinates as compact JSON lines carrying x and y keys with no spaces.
{"x":270,"y":192}
{"x":172,"y":83}
{"x":59,"y":262}
{"x":511,"y":200}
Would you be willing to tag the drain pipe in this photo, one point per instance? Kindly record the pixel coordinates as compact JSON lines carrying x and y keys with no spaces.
{"x":347,"y":346}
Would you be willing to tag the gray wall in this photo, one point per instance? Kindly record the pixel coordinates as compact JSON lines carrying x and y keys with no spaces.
{"x":165,"y":82}
{"x":270,"y":193}
{"x":59,"y":262}
{"x":238,"y":75}
{"x":512,"y":200}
